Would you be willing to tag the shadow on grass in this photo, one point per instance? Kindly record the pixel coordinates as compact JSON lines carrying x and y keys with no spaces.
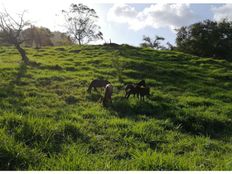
{"x":20,"y":74}
{"x":13,"y":161}
{"x":149,"y":108}
{"x":199,"y":125}
{"x":163,"y":109}
{"x":13,"y":95}
{"x":9,"y":89}
{"x":95,"y":96}
{"x":48,"y":140}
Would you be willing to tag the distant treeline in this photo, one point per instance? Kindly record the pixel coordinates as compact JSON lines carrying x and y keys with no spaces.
{"x":40,"y":36}
{"x":206,"y":39}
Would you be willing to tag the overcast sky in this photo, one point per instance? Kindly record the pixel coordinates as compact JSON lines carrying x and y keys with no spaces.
{"x":123,"y":23}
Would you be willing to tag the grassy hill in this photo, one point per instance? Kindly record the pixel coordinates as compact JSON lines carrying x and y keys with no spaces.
{"x":48,"y":121}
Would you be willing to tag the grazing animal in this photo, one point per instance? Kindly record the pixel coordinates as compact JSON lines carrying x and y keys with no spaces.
{"x":139,"y":91}
{"x":108,"y":93}
{"x":141,"y":83}
{"x":143,"y":92}
{"x":129,"y":86}
{"x":133,"y":88}
{"x":96,"y":84}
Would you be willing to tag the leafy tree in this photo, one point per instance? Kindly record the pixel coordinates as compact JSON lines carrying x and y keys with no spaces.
{"x":152,"y":43}
{"x":11,"y":32}
{"x":80,"y":23}
{"x":59,"y":38}
{"x":207,"y":38}
{"x":170,"y":46}
{"x":37,"y":36}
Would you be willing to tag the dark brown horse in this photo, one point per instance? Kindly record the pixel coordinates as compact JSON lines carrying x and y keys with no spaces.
{"x":139,"y":91}
{"x":141,"y":83}
{"x":108,"y":94}
{"x":143,"y":92}
{"x":97,"y":83}
{"x":133,"y":88}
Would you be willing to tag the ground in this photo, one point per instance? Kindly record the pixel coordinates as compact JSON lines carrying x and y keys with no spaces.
{"x":48,"y":120}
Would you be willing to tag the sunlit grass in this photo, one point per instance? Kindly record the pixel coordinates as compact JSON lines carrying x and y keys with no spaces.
{"x":48,"y":121}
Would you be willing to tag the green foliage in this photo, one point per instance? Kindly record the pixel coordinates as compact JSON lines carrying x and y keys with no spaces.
{"x":48,"y":120}
{"x":207,"y":39}
{"x":152,"y":43}
{"x":37,"y":37}
{"x":81,"y":24}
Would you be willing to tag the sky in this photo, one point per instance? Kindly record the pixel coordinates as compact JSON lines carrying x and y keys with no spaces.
{"x":123,"y":22}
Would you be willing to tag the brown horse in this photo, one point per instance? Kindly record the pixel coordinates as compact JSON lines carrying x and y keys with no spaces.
{"x":108,"y":93}
{"x":139,"y":91}
{"x":143,"y":92}
{"x":97,"y":83}
{"x":141,"y":83}
{"x":133,"y":88}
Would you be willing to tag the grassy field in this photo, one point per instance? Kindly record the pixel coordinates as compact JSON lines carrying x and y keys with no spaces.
{"x":48,"y":121}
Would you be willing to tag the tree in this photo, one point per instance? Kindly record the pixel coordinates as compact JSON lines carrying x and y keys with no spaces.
{"x":207,"y":39}
{"x":170,"y":46}
{"x":59,"y":38}
{"x":80,"y":23}
{"x":152,"y":43}
{"x":11,"y":32}
{"x":37,"y":36}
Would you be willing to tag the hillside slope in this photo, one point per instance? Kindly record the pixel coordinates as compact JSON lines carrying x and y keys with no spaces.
{"x":48,"y":121}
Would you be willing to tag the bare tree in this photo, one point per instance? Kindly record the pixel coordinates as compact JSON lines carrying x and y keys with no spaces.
{"x":11,"y":31}
{"x":80,"y":22}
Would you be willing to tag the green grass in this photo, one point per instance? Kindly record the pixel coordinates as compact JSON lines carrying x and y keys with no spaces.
{"x":48,"y":121}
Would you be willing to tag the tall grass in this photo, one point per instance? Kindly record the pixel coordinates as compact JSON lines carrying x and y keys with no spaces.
{"x":48,"y":121}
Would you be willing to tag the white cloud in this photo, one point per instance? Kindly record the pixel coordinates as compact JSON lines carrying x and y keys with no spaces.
{"x":222,"y":12}
{"x":122,"y":13}
{"x":156,"y":16}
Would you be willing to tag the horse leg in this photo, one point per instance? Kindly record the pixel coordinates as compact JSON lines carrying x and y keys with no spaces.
{"x":104,"y":102}
{"x":126,"y":94}
{"x":137,"y":95}
{"x":95,"y":89}
{"x":111,"y":100}
{"x":89,"y":89}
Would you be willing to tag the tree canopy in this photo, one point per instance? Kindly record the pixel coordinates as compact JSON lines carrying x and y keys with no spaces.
{"x":207,"y":38}
{"x":81,"y":24}
{"x":37,"y":36}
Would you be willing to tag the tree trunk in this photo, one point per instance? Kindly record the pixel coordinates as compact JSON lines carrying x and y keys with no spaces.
{"x":23,"y":54}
